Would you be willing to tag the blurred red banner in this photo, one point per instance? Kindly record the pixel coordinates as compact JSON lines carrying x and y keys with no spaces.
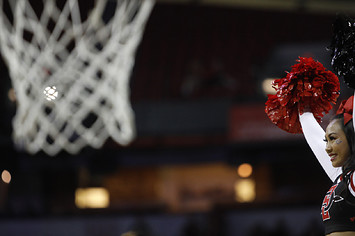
{"x":250,"y":123}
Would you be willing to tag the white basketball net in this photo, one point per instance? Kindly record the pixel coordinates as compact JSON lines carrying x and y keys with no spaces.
{"x":71,"y":73}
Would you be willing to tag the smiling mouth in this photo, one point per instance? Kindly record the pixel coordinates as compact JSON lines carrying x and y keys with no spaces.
{"x":332,"y":157}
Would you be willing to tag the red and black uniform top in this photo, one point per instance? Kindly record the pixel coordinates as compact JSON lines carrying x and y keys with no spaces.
{"x":338,"y":207}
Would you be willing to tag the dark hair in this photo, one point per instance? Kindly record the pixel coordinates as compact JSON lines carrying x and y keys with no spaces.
{"x":350,"y":136}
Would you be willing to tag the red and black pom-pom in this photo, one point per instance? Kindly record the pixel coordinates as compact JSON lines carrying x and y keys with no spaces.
{"x":343,"y":49}
{"x":308,"y":85}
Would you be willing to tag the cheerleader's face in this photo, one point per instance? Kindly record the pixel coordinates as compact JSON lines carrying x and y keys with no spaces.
{"x":337,"y":144}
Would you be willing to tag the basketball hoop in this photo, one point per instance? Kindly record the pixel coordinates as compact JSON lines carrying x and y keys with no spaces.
{"x":70,"y":70}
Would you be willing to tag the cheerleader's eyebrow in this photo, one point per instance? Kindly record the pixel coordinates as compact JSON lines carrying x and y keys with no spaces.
{"x":331,"y":134}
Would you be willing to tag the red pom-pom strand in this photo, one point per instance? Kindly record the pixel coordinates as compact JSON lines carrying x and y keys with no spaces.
{"x":308,"y":85}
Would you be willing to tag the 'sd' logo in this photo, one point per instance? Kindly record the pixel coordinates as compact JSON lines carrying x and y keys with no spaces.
{"x":328,"y":201}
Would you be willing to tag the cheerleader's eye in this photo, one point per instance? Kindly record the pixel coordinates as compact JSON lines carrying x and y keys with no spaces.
{"x":330,"y":138}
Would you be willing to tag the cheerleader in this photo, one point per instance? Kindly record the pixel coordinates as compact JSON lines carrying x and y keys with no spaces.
{"x":336,"y":155}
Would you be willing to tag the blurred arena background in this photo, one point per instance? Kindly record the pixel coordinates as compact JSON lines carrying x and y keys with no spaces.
{"x":206,"y":159}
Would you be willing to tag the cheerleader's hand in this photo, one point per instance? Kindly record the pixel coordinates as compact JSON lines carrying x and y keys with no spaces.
{"x":307,"y":108}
